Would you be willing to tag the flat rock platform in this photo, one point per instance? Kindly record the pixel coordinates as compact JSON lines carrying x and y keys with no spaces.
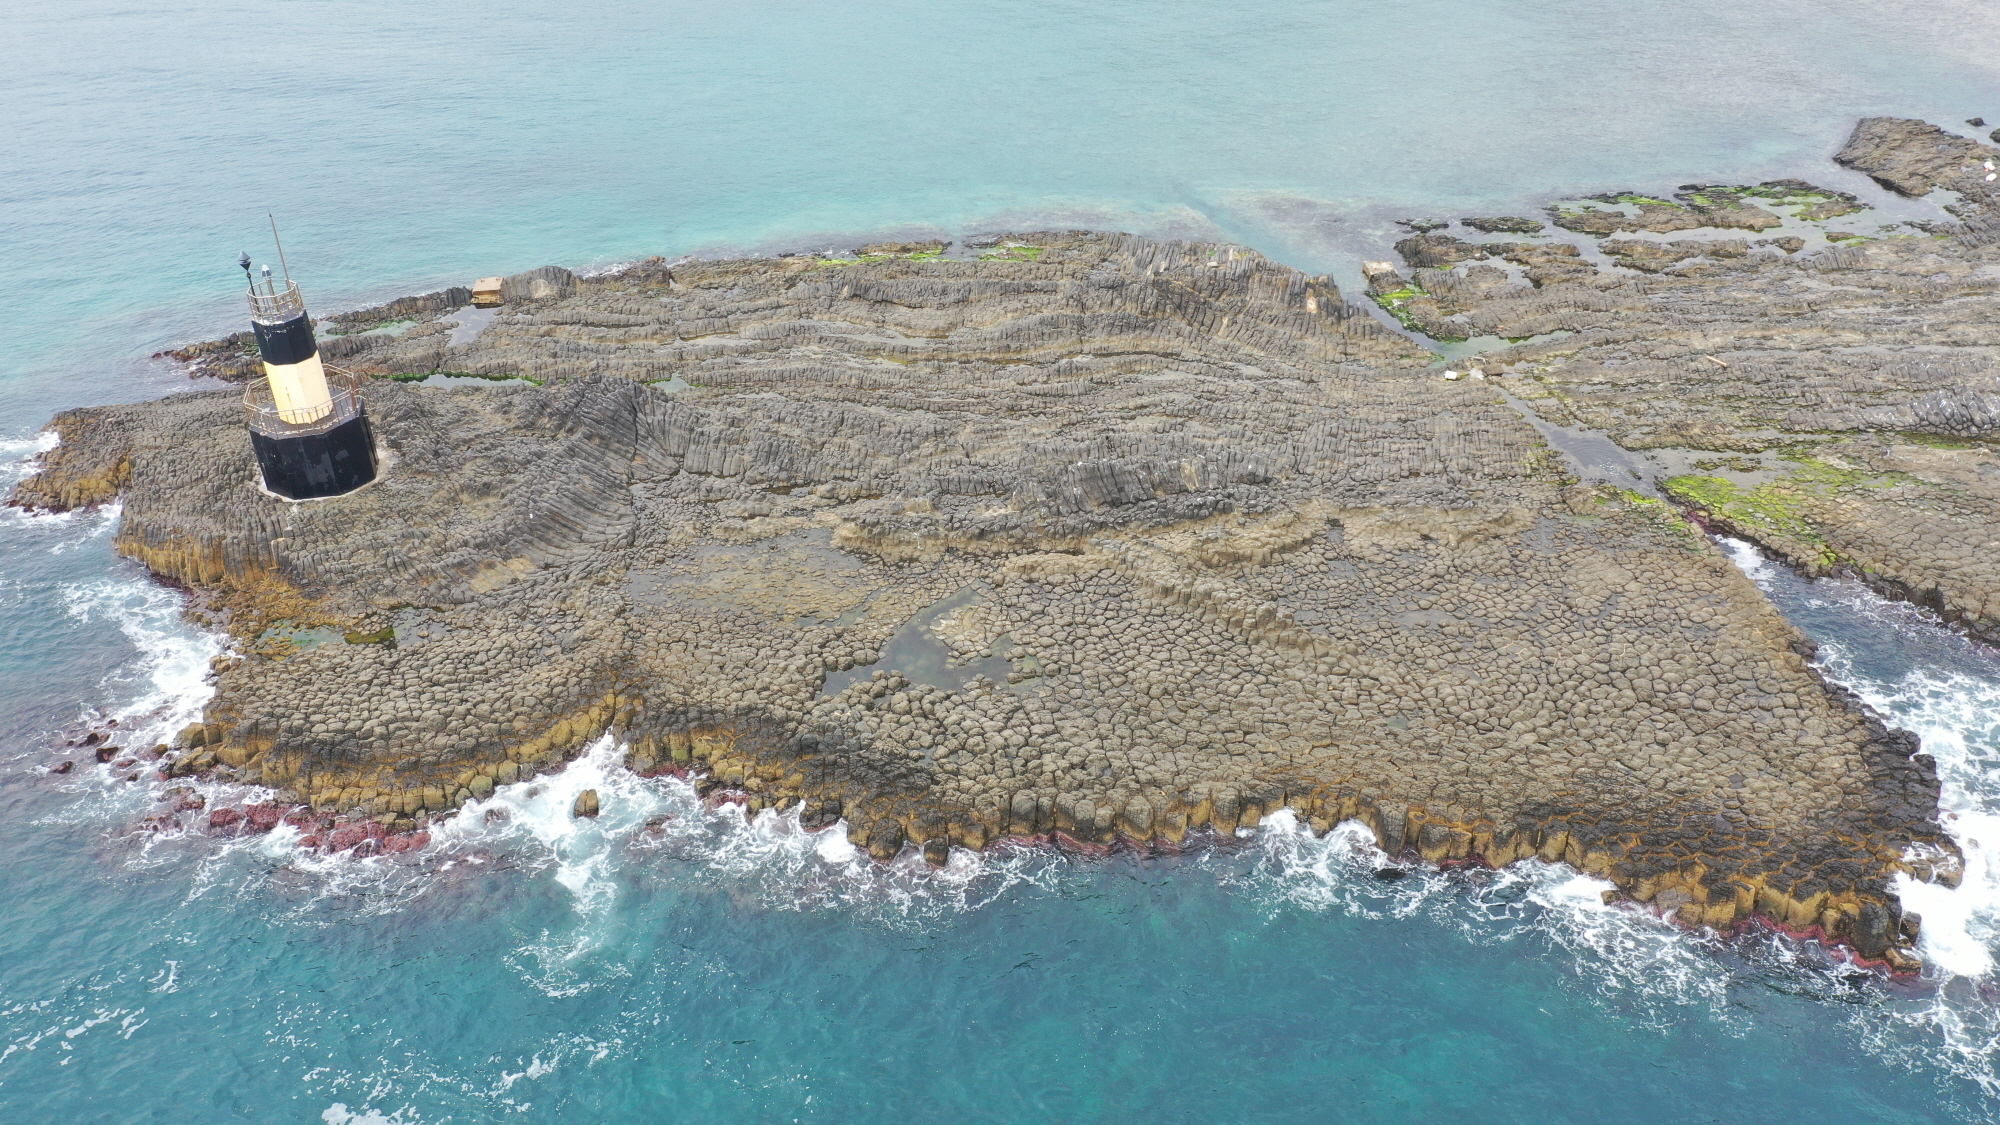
{"x":1087,"y":534}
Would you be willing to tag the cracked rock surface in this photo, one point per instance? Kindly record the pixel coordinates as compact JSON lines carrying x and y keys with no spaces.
{"x":1837,"y":402}
{"x":1088,"y":534}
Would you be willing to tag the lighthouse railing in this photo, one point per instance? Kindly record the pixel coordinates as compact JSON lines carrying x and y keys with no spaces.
{"x":265,"y":418}
{"x":276,"y":306}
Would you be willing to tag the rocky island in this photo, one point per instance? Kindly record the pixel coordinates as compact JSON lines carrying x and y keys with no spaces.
{"x":1087,"y":534}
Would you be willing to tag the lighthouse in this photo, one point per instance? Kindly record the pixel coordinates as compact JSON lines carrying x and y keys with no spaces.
{"x":308,"y":424}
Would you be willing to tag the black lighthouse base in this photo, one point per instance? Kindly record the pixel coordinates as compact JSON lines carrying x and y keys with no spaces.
{"x":307,"y":466}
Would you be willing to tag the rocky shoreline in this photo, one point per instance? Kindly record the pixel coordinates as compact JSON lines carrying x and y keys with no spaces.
{"x":1084,"y":534}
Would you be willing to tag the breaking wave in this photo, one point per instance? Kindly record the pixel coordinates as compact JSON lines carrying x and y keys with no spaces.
{"x":1923,"y":676}
{"x":770,"y":862}
{"x":19,"y":458}
{"x":1624,"y":950}
{"x":18,"y":454}
{"x":525,"y":841}
{"x":167,"y":684}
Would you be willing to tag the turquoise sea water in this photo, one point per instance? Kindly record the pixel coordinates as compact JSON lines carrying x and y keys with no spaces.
{"x":529,"y":969}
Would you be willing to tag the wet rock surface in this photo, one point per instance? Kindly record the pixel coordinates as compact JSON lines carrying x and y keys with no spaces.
{"x":1238,"y":545}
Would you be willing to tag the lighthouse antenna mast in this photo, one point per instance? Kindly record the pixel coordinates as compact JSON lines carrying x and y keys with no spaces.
{"x":281,"y":247}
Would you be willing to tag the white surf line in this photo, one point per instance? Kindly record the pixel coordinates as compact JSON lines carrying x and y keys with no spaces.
{"x":1958,"y":720}
{"x":1957,"y":717}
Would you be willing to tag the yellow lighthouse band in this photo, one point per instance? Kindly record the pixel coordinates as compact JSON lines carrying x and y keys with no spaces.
{"x":299,"y":391}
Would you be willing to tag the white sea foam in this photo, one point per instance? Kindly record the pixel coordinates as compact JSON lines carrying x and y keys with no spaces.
{"x":19,"y":458}
{"x":166,"y":685}
{"x":1748,"y":559}
{"x":1628,"y":955}
{"x":1626,"y":951}
{"x":339,"y":1114}
{"x":770,"y":859}
{"x":1957,"y":717}
{"x":84,"y":527}
{"x":606,"y":269}
{"x":1959,"y":721}
{"x":17,"y":450}
{"x":160,"y":687}
{"x":1956,"y":714}
{"x":770,"y":855}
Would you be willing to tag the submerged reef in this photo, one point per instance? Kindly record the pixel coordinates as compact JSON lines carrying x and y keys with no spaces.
{"x":1087,"y":534}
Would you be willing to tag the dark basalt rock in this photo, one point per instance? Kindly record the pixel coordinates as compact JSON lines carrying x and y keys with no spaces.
{"x":885,"y":839}
{"x":1913,"y":158}
{"x":1506,"y":225}
{"x":1240,"y":547}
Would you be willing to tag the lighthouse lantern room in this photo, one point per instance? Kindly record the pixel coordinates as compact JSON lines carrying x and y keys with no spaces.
{"x":308,"y":423}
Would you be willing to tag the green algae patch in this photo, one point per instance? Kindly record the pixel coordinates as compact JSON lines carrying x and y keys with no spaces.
{"x":1396,"y":304}
{"x":1013,"y":254}
{"x":1810,"y":203}
{"x":1781,"y":514}
{"x":1773,"y":514}
{"x":1778,"y":193}
{"x":857,"y":260}
{"x":1825,"y":477}
{"x":871,"y":257}
{"x":383,"y":636}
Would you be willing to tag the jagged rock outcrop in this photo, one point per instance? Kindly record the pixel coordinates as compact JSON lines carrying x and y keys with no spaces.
{"x":1212,"y":542}
{"x":1915,"y":158}
{"x":1835,"y":400}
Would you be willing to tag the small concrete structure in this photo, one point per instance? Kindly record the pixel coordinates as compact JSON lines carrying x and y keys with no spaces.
{"x":486,"y":292}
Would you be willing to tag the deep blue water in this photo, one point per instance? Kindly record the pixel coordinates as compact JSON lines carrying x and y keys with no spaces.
{"x":534,"y":970}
